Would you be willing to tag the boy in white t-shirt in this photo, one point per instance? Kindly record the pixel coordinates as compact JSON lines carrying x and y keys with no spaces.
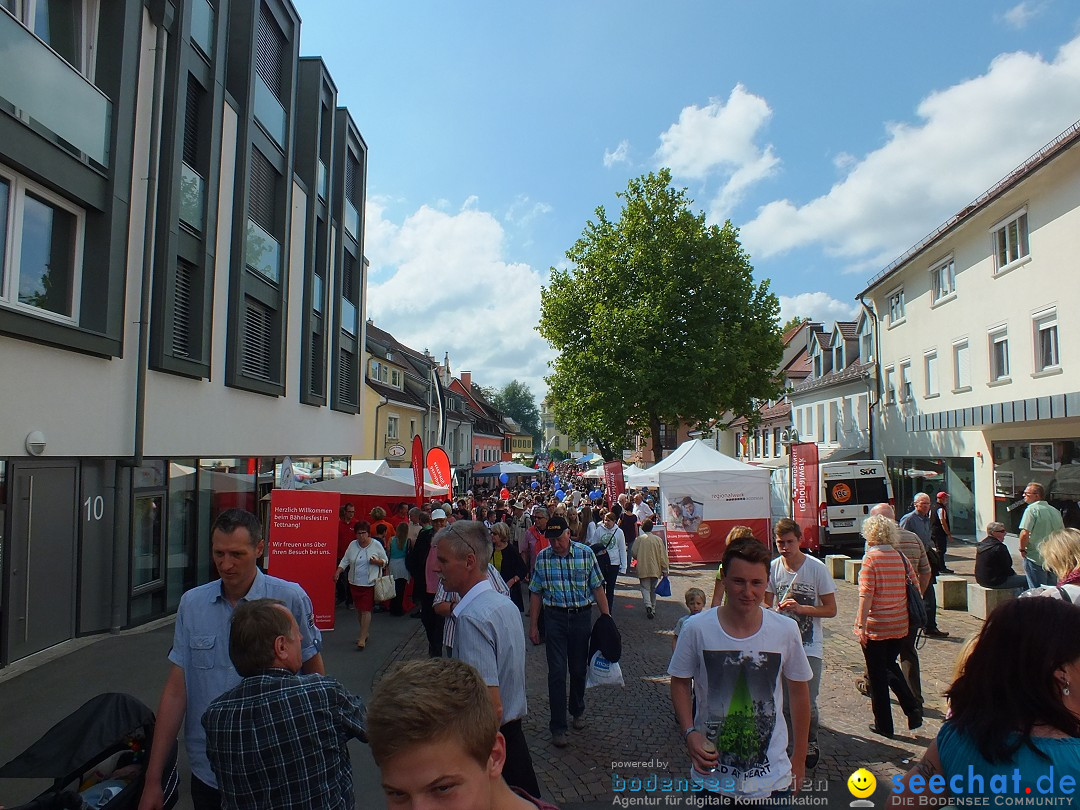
{"x":800,"y":587}
{"x":738,"y":657}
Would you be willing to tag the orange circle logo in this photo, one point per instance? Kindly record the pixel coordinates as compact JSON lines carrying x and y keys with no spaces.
{"x":841,"y":493}
{"x":704,"y":530}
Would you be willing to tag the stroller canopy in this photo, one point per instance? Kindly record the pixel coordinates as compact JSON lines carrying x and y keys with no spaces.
{"x":65,"y":748}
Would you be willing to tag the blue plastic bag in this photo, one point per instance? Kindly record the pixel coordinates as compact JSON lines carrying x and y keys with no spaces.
{"x":663,"y":587}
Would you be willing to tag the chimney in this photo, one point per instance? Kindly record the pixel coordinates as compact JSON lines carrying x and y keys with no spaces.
{"x":466,"y":380}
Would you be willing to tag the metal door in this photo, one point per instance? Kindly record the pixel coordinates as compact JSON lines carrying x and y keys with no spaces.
{"x":41,"y":585}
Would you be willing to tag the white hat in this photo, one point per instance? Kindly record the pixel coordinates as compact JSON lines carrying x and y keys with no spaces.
{"x":438,"y":514}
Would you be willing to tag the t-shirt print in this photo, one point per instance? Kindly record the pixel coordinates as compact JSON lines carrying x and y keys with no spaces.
{"x":742,"y":711}
{"x":805,"y":594}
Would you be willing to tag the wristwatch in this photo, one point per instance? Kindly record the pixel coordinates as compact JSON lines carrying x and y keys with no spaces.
{"x":688,"y":732}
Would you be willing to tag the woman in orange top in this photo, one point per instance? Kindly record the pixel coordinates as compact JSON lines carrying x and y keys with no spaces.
{"x":378,"y":518}
{"x":881,"y":623}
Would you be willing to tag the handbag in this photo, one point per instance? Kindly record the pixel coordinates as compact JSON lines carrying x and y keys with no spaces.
{"x":601,"y":550}
{"x":385,"y":588}
{"x":663,"y":587}
{"x":916,"y":607}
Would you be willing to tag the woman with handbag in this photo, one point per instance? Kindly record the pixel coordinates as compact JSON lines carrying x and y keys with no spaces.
{"x":881,"y":622}
{"x":609,"y":546}
{"x":365,"y":560}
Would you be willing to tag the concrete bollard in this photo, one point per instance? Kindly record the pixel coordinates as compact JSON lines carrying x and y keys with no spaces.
{"x":835,"y":564}
{"x":851,"y":570}
{"x":981,"y":601}
{"x":952,"y":592}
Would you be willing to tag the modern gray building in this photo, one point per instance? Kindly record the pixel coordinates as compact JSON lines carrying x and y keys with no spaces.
{"x":182,"y":295}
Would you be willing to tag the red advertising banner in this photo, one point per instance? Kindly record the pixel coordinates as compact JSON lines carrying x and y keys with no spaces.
{"x":418,"y":468}
{"x":706,"y":543}
{"x":804,"y":492}
{"x":614,"y":482}
{"x":438,"y":465}
{"x":303,"y":545}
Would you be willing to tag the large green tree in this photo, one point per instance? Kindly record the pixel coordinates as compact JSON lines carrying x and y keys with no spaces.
{"x":517,"y":401}
{"x":657,"y":321}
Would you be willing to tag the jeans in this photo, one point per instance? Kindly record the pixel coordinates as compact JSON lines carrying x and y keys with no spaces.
{"x":204,"y":797}
{"x":648,"y":591}
{"x":567,"y":649}
{"x":930,"y":600}
{"x":433,"y":624}
{"x":815,"y":686}
{"x":1037,"y":575}
{"x":1017,"y":582}
{"x":611,"y":576}
{"x":883,"y":672}
{"x":909,"y":665}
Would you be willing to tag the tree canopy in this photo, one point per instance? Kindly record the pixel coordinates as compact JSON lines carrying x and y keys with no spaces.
{"x":516,"y":401}
{"x":657,"y":321}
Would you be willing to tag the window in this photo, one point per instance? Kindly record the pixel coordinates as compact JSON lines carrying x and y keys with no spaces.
{"x":817,"y":364}
{"x":942,"y":281}
{"x":1010,"y":241}
{"x":930,"y":367}
{"x":1046,"y":340}
{"x":765,"y":442}
{"x":961,"y":366}
{"x":866,"y":342}
{"x":61,"y":24}
{"x":890,"y":385}
{"x":999,"y":355}
{"x":896,"y":306}
{"x":391,"y":427}
{"x":776,"y":442}
{"x":395,"y":378}
{"x":838,"y":357}
{"x":41,"y":239}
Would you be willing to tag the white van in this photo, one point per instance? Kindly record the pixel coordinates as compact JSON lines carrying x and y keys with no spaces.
{"x":848,"y":490}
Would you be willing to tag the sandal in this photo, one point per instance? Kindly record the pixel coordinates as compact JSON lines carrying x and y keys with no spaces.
{"x":359,"y":645}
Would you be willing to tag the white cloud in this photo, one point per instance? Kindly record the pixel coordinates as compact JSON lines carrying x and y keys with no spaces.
{"x":523,"y":211}
{"x":621,"y":154}
{"x":719,"y":140}
{"x":1021,"y":14}
{"x":968,"y":137}
{"x":817,"y":306}
{"x":440,"y":282}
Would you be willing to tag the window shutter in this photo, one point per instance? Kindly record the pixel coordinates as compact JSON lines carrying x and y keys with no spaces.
{"x":191,"y":123}
{"x":317,"y":370}
{"x":262,"y":193}
{"x":257,"y":341}
{"x":182,"y":309}
{"x":346,"y":371}
{"x":269,"y":52}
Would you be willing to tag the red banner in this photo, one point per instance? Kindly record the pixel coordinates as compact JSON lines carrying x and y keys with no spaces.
{"x":418,"y":468}
{"x":438,"y":465}
{"x":707,"y":543}
{"x":303,"y":545}
{"x":613,"y":479}
{"x":804,"y":492}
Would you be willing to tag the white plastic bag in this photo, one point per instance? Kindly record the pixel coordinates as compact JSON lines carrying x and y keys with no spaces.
{"x":603,"y":673}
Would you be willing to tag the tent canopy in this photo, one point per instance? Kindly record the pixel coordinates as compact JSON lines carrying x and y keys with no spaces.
{"x":378,"y":465}
{"x":690,"y":457}
{"x":507,"y":467}
{"x":369,"y":483}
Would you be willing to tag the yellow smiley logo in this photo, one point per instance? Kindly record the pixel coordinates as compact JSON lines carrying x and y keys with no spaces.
{"x":861,"y":783}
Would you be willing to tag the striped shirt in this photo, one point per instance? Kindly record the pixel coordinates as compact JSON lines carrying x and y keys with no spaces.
{"x":490,"y":637}
{"x":569,"y":581}
{"x":883,"y":578}
{"x":443,"y":595}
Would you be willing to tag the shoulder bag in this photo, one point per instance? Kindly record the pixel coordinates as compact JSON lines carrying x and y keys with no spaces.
{"x":916,"y":607}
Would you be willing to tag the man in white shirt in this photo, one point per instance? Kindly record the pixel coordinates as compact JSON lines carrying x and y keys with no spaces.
{"x":801,"y":587}
{"x":736,"y":658}
{"x":641,"y":509}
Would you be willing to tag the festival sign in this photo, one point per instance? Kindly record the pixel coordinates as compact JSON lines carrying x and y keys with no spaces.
{"x":303,"y":545}
{"x":438,"y":466}
{"x":614,"y":481}
{"x":418,"y":468}
{"x":804,"y":491}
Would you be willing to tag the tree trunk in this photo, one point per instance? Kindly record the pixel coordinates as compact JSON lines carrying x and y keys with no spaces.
{"x":654,"y":429}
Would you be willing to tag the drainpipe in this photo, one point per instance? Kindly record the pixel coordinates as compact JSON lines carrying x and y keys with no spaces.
{"x":120,"y":549}
{"x":375,"y":441}
{"x":873,"y":403}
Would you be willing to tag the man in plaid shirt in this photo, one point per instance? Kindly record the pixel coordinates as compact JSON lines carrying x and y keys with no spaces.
{"x":280,"y":739}
{"x":566,"y":580}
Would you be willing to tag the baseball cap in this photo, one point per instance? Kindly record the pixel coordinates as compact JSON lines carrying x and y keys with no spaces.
{"x":438,"y":514}
{"x":556,"y":526}
{"x":941,"y":495}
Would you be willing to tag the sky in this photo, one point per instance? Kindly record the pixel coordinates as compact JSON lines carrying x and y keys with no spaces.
{"x":834,"y":134}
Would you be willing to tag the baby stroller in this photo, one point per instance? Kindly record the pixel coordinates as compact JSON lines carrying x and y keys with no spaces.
{"x":96,"y":757}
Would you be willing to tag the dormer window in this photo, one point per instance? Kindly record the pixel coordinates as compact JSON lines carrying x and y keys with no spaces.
{"x":838,"y":357}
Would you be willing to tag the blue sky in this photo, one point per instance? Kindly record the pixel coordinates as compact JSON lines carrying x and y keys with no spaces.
{"x":834,"y":134}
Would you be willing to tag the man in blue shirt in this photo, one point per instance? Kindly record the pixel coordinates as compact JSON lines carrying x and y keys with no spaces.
{"x":565,"y":583}
{"x":918,"y":521}
{"x":201,"y":668}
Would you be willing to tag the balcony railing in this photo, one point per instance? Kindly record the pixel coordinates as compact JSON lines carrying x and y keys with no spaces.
{"x":42,"y":89}
{"x":202,"y":26}
{"x":192,"y":197}
{"x":262,"y":252}
{"x":352,"y":220}
{"x":269,"y":112}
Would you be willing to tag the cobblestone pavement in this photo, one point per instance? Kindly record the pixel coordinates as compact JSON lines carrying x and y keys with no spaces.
{"x":631,"y":731}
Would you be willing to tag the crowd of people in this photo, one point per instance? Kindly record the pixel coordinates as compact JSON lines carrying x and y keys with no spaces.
{"x":248,"y":677}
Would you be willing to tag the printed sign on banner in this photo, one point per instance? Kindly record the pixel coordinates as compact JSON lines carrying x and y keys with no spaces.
{"x":804,"y":491}
{"x":438,"y":465}
{"x":700,"y":514}
{"x":614,"y":482}
{"x":303,"y":545}
{"x":418,"y":468}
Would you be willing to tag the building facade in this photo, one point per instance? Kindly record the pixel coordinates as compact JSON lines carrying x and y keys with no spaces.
{"x":183,"y":282}
{"x":980,"y":384}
